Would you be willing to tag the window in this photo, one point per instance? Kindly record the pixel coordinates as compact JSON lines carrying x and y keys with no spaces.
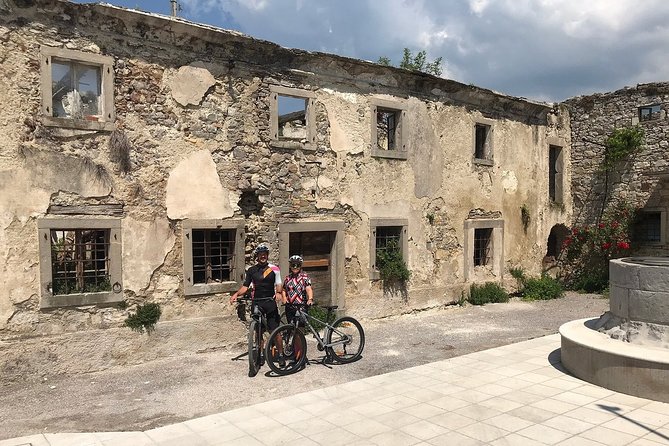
{"x":213,"y":256}
{"x":555,"y":166}
{"x":388,"y":129}
{"x":80,"y":261}
{"x":292,"y":118}
{"x":386,"y":234}
{"x":77,"y":89}
{"x":648,"y":227}
{"x":650,"y":112}
{"x":483,"y":142}
{"x":482,"y":246}
{"x":483,"y":249}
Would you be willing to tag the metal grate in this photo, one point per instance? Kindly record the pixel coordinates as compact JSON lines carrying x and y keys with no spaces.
{"x":80,"y":261}
{"x":482,"y":246}
{"x":213,"y":255}
{"x":648,"y":227}
{"x":387,"y":237}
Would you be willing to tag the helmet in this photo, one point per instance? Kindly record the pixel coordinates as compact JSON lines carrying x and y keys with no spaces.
{"x":295,"y":259}
{"x":259,"y":249}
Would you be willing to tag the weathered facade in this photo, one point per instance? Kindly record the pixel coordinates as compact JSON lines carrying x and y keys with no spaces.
{"x":172,"y":148}
{"x":640,"y":180}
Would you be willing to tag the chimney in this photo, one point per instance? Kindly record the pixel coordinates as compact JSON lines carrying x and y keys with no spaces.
{"x":175,"y":7}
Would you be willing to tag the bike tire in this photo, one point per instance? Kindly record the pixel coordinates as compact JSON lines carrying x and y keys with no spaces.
{"x":291,"y":342}
{"x":349,"y":332}
{"x":254,"y":349}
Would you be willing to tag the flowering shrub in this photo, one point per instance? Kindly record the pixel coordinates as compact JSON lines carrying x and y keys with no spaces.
{"x":587,"y":250}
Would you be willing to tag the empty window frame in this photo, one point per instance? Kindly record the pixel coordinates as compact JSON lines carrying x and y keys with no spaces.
{"x":292,"y":117}
{"x":77,"y":89}
{"x":386,"y":234}
{"x":482,"y":246}
{"x":555,"y":174}
{"x":388,"y":132}
{"x":648,"y":227}
{"x":213,"y":256}
{"x":80,"y":261}
{"x":650,"y":112}
{"x":483,"y":148}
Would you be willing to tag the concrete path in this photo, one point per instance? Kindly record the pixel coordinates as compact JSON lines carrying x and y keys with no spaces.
{"x":512,"y":395}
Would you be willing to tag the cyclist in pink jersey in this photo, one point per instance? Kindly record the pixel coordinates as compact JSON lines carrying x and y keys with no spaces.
{"x":296,"y":287}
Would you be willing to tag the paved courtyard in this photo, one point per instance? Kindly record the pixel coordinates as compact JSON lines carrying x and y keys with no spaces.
{"x":517,"y":394}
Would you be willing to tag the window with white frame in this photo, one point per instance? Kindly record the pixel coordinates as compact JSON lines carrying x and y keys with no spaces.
{"x":292,"y":118}
{"x":80,"y":261}
{"x":213,"y":256}
{"x":77,"y":89}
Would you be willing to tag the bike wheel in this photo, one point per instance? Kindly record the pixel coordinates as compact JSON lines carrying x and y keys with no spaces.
{"x":286,"y":350}
{"x":254,"y":349}
{"x":349,"y":339}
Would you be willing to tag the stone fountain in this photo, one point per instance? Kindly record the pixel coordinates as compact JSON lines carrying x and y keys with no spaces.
{"x":627,"y":348}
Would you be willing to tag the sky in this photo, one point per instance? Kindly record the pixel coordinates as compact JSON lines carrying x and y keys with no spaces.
{"x":544,"y":50}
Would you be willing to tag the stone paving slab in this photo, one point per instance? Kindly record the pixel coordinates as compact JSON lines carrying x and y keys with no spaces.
{"x":517,"y":394}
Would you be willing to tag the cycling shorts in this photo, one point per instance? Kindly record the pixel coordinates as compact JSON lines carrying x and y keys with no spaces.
{"x":271,"y":311}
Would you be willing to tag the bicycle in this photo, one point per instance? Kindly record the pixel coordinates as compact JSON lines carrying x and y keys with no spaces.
{"x":286,"y":348}
{"x":256,"y":327}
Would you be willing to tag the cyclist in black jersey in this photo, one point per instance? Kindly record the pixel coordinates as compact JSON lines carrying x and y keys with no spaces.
{"x":266,"y":279}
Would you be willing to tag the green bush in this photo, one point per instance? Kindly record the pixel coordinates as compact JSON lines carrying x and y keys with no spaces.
{"x":543,"y":288}
{"x":391,"y":264}
{"x":321,"y":314}
{"x":489,"y":292}
{"x":145,"y":318}
{"x":594,"y":282}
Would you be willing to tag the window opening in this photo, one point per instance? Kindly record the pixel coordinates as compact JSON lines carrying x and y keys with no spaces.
{"x":388,"y":237}
{"x":482,"y":246}
{"x":481,"y":148}
{"x":292,"y":117}
{"x":213,"y":255}
{"x":648,"y":227}
{"x":80,"y":261}
{"x":649,"y":112}
{"x":75,"y":90}
{"x":386,"y":128}
{"x":553,"y":172}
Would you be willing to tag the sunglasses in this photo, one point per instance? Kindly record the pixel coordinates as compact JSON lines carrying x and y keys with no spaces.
{"x":295,"y":265}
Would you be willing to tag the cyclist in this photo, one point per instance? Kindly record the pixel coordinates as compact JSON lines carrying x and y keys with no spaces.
{"x":266,"y":280}
{"x":296,"y":287}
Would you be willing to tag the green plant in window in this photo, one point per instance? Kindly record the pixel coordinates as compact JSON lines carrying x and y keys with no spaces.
{"x":391,"y":264}
{"x":145,"y":318}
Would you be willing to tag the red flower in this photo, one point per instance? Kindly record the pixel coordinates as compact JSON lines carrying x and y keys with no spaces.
{"x":574,"y":230}
{"x":606,"y":245}
{"x":567,"y":242}
{"x":614,"y":224}
{"x":623,"y":245}
{"x":601,"y":225}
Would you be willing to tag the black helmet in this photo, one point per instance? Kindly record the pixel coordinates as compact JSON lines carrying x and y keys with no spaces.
{"x":259,"y":249}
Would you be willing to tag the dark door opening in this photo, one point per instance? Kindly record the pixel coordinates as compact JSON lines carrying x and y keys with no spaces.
{"x":316,"y":249}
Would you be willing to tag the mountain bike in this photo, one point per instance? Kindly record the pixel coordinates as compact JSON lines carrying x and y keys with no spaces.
{"x":257,"y":326}
{"x":286,"y":348}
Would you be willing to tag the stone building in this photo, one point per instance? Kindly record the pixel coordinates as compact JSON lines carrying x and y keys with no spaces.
{"x":142,"y":157}
{"x":641,"y":180}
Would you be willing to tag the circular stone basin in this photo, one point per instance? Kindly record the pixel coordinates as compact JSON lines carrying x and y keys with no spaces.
{"x":592,"y":356}
{"x":649,"y":261}
{"x":639,"y":289}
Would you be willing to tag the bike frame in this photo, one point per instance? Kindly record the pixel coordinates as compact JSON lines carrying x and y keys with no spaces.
{"x":306,"y":317}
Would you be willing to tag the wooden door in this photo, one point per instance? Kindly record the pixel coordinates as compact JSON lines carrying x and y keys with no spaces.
{"x":316,"y":250}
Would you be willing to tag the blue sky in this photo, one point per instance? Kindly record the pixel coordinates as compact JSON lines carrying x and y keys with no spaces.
{"x":545,"y":50}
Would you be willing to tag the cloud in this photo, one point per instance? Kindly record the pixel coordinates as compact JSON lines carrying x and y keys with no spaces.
{"x":540,"y":49}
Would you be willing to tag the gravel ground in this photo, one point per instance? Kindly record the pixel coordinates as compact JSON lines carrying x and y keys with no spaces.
{"x":175,"y":389}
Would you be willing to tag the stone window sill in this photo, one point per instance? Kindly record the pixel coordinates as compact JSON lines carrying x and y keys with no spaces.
{"x":482,"y":162}
{"x":292,"y":144}
{"x":80,"y":300}
{"x":211,"y":288}
{"x":79,"y":124}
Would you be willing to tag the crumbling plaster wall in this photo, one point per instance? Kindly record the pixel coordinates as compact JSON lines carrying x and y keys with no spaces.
{"x":196,"y":146}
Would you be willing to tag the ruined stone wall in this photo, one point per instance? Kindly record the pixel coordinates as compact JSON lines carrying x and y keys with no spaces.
{"x":194,"y":104}
{"x":639,"y":180}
